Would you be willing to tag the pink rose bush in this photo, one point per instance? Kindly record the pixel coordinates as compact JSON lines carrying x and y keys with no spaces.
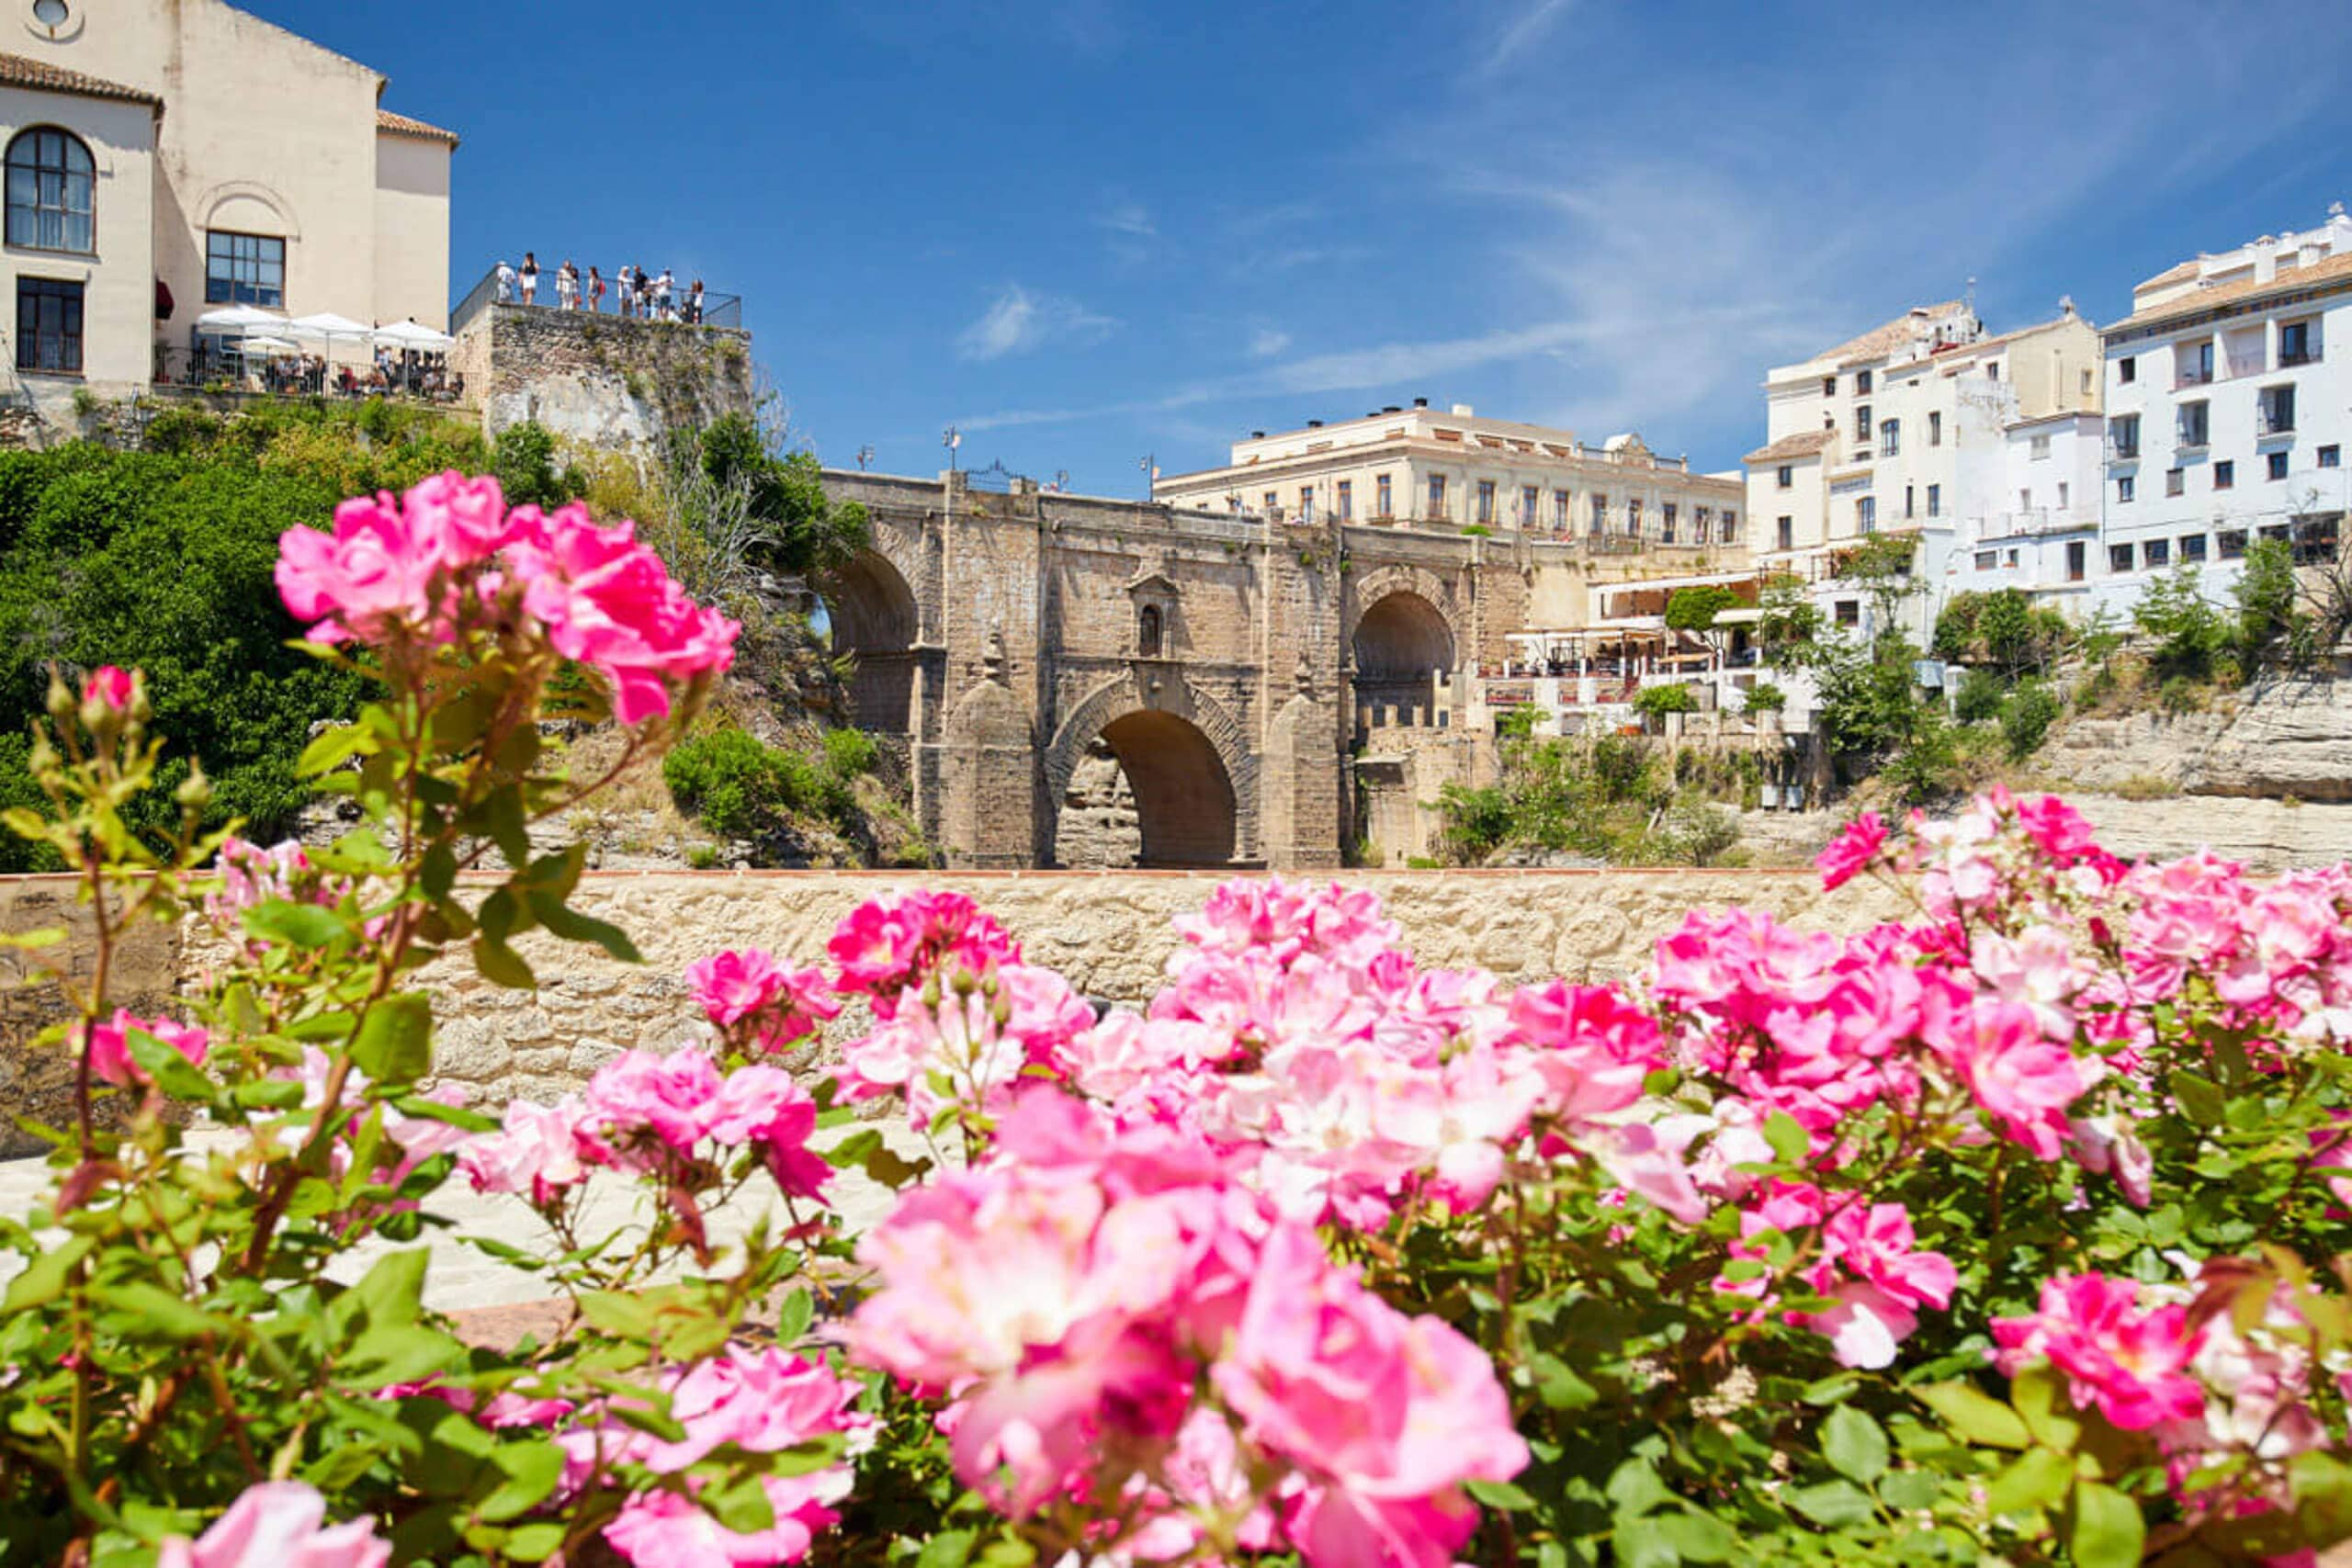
{"x":2014,"y":1227}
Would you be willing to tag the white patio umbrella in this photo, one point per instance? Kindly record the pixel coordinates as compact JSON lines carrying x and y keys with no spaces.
{"x":266,"y":344}
{"x":411,"y":335}
{"x":242,"y":320}
{"x":328,"y":326}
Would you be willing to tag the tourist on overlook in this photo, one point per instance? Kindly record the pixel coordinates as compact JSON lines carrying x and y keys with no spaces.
{"x":693,"y":303}
{"x":530,"y":278}
{"x":567,"y":286}
{"x":626,"y":302}
{"x":506,"y":283}
{"x":644,"y":293}
{"x":595,"y":290}
{"x":663,"y":293}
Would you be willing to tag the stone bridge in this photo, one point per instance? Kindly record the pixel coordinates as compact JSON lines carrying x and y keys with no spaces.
{"x":1238,"y":669}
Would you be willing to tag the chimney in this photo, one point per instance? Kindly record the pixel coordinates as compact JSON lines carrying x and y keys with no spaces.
{"x":1392,"y":408}
{"x":1257,"y":435}
{"x":1462,"y":410}
{"x":1421,"y":402}
{"x":1314,"y":424}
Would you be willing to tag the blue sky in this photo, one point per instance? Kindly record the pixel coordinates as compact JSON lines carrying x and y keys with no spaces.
{"x":1089,"y":230}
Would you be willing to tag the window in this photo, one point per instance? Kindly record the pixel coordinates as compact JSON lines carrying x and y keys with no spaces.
{"x":1147,"y":632}
{"x":1787,"y":476}
{"x":2124,"y":489}
{"x":2230,"y":542}
{"x":48,"y":325}
{"x":1531,"y":506}
{"x":2025,"y":501}
{"x":51,"y":180}
{"x":1992,"y":370}
{"x":243,"y":269}
{"x":2176,"y":481}
{"x":1731,"y":526}
{"x":1849,"y":612}
{"x":2278,"y":411}
{"x":2330,"y":457}
{"x":1437,"y":495}
{"x":1890,"y":438}
{"x":1665,"y":522}
{"x":1908,"y":510}
{"x":1987,"y":559}
{"x":1862,"y":383}
{"x":1346,"y":501}
{"x":1560,"y":510}
{"x":1862,"y":425}
{"x":2192,"y":546}
{"x":1935,"y":428}
{"x":2038,"y":448}
{"x":2225,"y":475}
{"x":2123,"y":436}
{"x":2127,"y":370}
{"x":2086,"y":381}
{"x":2119,"y":558}
{"x":1866,"y":513}
{"x":1381,"y":497}
{"x":1935,"y":501}
{"x":2076,"y":554}
{"x":1600,"y":512}
{"x":2156,"y":553}
{"x":2278,"y":465}
{"x":1306,"y":503}
{"x":1829,"y":385}
{"x":2295,"y":344}
{"x":1485,"y":500}
{"x":2194,"y":362}
{"x":1702,"y":522}
{"x":1786,"y":532}
{"x":2192,"y":426}
{"x":1273,"y":502}
{"x":1634,"y":517}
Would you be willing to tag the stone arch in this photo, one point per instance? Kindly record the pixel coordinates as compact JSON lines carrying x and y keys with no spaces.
{"x":876,"y":621}
{"x":1186,"y":758}
{"x":1404,"y":639}
{"x":249,"y":207}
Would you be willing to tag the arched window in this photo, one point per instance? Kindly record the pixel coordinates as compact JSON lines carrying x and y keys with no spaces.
{"x":51,"y":181}
{"x":1147,"y":632}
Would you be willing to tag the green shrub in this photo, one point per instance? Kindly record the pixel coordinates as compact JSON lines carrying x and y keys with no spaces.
{"x":2025,"y":718}
{"x":2181,"y":693}
{"x":729,"y":779}
{"x":1477,"y":820}
{"x":702,"y":857}
{"x":848,"y":753}
{"x":1422,"y":862}
{"x":1978,"y":701}
{"x":1655,"y":702}
{"x":2188,"y":633}
{"x":1766,"y":697}
{"x":523,"y":460}
{"x":1515,"y":723}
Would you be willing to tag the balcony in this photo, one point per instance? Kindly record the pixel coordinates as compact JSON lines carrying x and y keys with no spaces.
{"x":2122,"y":451}
{"x":2276,"y":421}
{"x":2289,"y":358}
{"x":2186,"y":441}
{"x":2197,"y":376}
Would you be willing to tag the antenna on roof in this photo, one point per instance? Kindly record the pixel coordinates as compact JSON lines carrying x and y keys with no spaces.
{"x":1972,"y":296}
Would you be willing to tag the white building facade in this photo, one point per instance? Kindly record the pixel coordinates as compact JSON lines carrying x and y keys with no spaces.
{"x":165,"y":157}
{"x":2229,"y":394}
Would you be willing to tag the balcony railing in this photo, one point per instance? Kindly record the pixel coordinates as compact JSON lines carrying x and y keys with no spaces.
{"x":2187,"y":440}
{"x":2120,"y":450}
{"x":715,"y":309}
{"x":2196,"y":378}
{"x":2278,"y":421}
{"x":2289,"y":358}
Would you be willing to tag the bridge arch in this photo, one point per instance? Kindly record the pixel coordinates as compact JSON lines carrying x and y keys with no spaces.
{"x":876,"y":621}
{"x":1187,"y":763}
{"x":1402,"y":640}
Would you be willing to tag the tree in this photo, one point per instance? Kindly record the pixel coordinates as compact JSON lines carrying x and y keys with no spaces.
{"x":1788,"y":626}
{"x":1656,"y":702}
{"x":2269,"y":625}
{"x":2186,"y":632}
{"x":1695,"y":609}
{"x":1766,"y":697}
{"x":806,"y":532}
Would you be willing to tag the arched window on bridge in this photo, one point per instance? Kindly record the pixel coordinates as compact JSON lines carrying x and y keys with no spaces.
{"x":1147,"y":633}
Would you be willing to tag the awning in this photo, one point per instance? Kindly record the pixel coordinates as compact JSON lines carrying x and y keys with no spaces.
{"x":411,"y":334}
{"x":240,"y":319}
{"x":327,"y":325}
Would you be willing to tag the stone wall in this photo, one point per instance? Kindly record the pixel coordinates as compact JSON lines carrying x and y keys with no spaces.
{"x":601,"y":382}
{"x":142,"y":974}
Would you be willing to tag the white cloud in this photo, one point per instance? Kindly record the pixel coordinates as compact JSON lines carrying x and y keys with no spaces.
{"x":1267,"y":341}
{"x":1130,"y":218}
{"x":1018,"y":322}
{"x":1522,"y":32}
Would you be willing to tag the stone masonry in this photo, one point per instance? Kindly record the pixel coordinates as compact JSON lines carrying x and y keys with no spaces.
{"x":601,"y":382}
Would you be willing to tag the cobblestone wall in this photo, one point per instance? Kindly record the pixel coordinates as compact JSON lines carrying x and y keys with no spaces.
{"x":601,"y":381}
{"x":1108,"y":932}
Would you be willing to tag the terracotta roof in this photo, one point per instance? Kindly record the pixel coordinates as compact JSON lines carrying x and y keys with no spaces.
{"x":2180,"y":274}
{"x":2332,"y":269}
{"x":1960,"y":351}
{"x":1876,"y":341}
{"x":400,"y":125}
{"x":1804,"y":444}
{"x":17,"y":71}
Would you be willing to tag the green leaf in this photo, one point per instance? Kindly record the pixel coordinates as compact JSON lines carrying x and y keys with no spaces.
{"x":793,"y":1318}
{"x":1788,"y":1137}
{"x":158,"y":1312}
{"x":1499,"y":1494}
{"x":167,"y":1069}
{"x":1977,"y":1417}
{"x":1558,"y":1386}
{"x":2038,"y":1480}
{"x":742,"y":1506}
{"x":531,"y":1470}
{"x":2202,"y":1099}
{"x":395,"y":1040}
{"x":329,"y":749}
{"x":392,"y":1290}
{"x":1698,"y":1538}
{"x":1831,"y":1503}
{"x":2108,"y":1530}
{"x":503,"y":822}
{"x":399,"y":1353}
{"x":948,"y":1549}
{"x":290,"y":924}
{"x":1643,"y":1543}
{"x":1854,"y":1445}
{"x":536,"y":1541}
{"x":564,"y":921}
{"x":1634,"y":1488}
{"x":501,"y":965}
{"x":2041,"y":1397}
{"x":44,"y":1280}
{"x":618,"y":1313}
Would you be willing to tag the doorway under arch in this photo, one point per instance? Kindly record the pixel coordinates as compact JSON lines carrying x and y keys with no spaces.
{"x":1401,"y":644}
{"x":875,"y":621}
{"x":1167,"y":779}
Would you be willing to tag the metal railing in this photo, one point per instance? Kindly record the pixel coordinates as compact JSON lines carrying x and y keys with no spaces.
{"x":299,"y":376}
{"x":2201,"y":376}
{"x":2278,"y":421}
{"x":712,"y":310}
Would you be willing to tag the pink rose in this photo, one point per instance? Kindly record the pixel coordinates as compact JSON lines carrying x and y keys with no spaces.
{"x":108,"y":686}
{"x":1852,"y":849}
{"x":110,"y":1044}
{"x":2135,"y":1367}
{"x":279,"y":1524}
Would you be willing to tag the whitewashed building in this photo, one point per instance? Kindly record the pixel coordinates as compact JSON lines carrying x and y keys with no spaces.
{"x":2030,"y":512}
{"x":2229,"y":394}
